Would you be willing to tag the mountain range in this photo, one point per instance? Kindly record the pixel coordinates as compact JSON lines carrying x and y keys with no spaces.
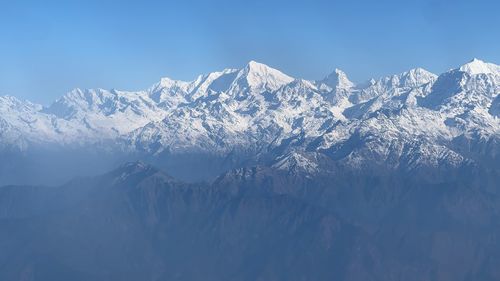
{"x":138,"y":223}
{"x":260,"y":116}
{"x":250,"y":174}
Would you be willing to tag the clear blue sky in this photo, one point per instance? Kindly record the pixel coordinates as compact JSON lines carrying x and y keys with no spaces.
{"x":49,"y":47}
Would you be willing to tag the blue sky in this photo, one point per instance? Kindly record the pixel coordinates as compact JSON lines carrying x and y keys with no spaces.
{"x":49,"y":47}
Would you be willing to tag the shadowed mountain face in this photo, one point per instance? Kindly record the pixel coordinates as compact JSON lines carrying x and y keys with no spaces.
{"x":264,"y":223}
{"x":138,"y":224}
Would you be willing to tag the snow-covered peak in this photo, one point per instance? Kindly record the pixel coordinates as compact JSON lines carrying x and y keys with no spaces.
{"x":412,"y":78}
{"x":79,"y":101}
{"x":168,"y":83}
{"x":416,"y":77}
{"x":169,"y":92}
{"x":338,"y":80}
{"x":259,"y":76}
{"x":13,"y":103}
{"x":477,"y":66}
{"x":297,"y":162}
{"x":255,"y":66}
{"x":218,"y":81}
{"x":10,"y":100}
{"x":409,"y":79}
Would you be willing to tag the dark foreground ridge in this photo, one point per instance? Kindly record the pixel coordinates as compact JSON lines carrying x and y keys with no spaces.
{"x":137,"y":223}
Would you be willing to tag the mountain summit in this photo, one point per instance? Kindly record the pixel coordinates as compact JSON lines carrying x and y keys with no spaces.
{"x":259,"y":76}
{"x":477,"y":66}
{"x":338,"y":80}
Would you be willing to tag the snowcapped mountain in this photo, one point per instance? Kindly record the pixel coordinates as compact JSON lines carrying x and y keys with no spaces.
{"x":106,"y":113}
{"x":337,"y":80}
{"x":477,"y":66}
{"x":258,"y":115}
